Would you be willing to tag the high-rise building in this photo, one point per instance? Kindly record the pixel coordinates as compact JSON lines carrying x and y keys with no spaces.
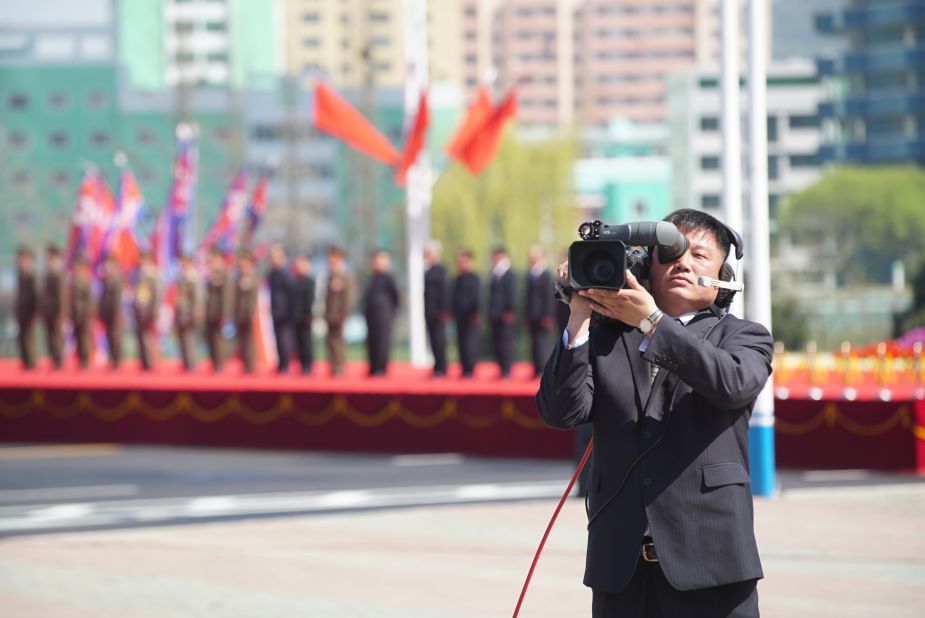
{"x":880,"y":118}
{"x":166,"y":43}
{"x":357,"y":43}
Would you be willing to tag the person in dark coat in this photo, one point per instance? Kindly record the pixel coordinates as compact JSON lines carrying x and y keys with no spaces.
{"x":466,"y":298}
{"x":436,"y":305}
{"x":111,"y":309}
{"x":668,"y":384}
{"x":216,"y":293}
{"x":145,"y":306}
{"x":82,"y":309}
{"x":186,"y":312}
{"x":502,"y":304}
{"x":303,"y":297}
{"x":338,"y":300}
{"x":540,"y":309}
{"x":27,"y":305}
{"x":245,"y":306}
{"x":380,"y":303}
{"x":280,"y":283}
{"x":53,"y":304}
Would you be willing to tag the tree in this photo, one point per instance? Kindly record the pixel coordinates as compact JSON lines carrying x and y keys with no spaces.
{"x":915,"y":316}
{"x":861,"y":219}
{"x":524,"y":198}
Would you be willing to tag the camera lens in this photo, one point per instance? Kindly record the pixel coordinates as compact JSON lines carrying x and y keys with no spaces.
{"x":600,"y":268}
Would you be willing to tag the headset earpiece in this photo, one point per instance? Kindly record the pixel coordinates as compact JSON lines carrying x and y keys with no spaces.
{"x":724,"y":297}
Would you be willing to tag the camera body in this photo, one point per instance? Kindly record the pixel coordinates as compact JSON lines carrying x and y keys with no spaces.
{"x":605,"y":252}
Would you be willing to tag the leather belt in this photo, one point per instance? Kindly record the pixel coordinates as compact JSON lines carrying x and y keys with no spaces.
{"x":648,"y":552}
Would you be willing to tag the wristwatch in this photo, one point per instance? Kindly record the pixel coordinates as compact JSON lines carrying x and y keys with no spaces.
{"x":648,"y":322}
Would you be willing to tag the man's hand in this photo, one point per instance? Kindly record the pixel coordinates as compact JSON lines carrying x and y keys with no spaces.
{"x":628,"y":305}
{"x":579,"y":319}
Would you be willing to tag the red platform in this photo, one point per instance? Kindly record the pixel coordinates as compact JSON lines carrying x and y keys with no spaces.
{"x":404,"y":412}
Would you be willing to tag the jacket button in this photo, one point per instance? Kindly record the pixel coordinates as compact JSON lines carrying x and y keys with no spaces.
{"x":647,"y":481}
{"x":647,"y":434}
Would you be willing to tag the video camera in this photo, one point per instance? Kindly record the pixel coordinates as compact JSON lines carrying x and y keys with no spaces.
{"x":605,"y":252}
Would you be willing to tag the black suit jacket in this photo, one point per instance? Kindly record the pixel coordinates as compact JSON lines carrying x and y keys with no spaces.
{"x":672,"y":455}
{"x":466,"y":297}
{"x":502,"y":295}
{"x":280,"y":283}
{"x":436,"y":293}
{"x":303,"y":297}
{"x":540,"y":298}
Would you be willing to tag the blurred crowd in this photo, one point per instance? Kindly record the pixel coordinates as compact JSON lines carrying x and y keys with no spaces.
{"x":86,"y":302}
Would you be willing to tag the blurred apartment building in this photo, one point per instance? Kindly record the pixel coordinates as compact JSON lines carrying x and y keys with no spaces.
{"x":879,"y":116}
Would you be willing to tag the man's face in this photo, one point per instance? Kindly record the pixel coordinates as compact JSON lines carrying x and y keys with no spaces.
{"x":464,"y":263}
{"x":674,"y":285}
{"x":336,"y":263}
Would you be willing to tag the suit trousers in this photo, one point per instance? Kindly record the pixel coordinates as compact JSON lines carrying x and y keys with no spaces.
{"x":27,"y":343}
{"x":436,"y":334}
{"x":378,"y":344}
{"x":304,"y":345}
{"x":246,"y":346}
{"x":83,"y":338}
{"x":502,"y":339}
{"x":55,"y":341}
{"x":185,"y":335}
{"x":649,"y":595}
{"x":540,"y":347}
{"x":281,"y":334}
{"x":114,"y":341}
{"x":337,"y":349}
{"x":216,"y":344}
{"x":468,"y":334}
{"x":145,"y":346}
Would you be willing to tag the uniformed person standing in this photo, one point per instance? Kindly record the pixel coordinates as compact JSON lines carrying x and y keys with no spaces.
{"x":379,"y":305}
{"x":280,"y":283}
{"x":82,"y":309}
{"x":111,"y":309}
{"x":502,"y":303}
{"x":540,"y":309}
{"x":53,"y":304}
{"x":436,"y":305}
{"x":303,"y":297}
{"x":466,"y":294}
{"x":216,"y":286}
{"x":245,"y":305}
{"x":338,"y":300}
{"x":145,"y":307}
{"x":185,"y":312}
{"x":27,"y":305}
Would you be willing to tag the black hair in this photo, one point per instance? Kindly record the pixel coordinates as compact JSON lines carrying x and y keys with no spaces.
{"x":687,"y":219}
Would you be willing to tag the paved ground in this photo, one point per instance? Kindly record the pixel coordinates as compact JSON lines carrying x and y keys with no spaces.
{"x":848,"y":551}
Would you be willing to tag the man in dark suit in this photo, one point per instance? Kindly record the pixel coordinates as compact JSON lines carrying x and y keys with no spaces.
{"x":338,"y":301}
{"x":467,"y":290}
{"x":111,"y":309}
{"x":216,"y":286}
{"x":27,"y":305}
{"x":82,"y":309}
{"x":436,"y":305}
{"x":502,"y":303}
{"x":303,"y":297}
{"x":245,"y":306}
{"x":539,"y":309}
{"x":145,"y":306}
{"x":671,"y":529}
{"x":53,"y":304}
{"x":186,"y":312}
{"x":380,"y":302}
{"x":280,"y":284}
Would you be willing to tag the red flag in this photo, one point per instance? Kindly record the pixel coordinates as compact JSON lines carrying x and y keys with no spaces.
{"x":335,"y":116}
{"x":415,"y":141}
{"x":476,"y":116}
{"x":483,"y":146}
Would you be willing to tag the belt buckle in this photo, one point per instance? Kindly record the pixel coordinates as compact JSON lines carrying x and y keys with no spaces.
{"x":648,"y":552}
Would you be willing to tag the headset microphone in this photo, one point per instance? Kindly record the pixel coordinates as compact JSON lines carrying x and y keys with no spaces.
{"x":735,"y":286}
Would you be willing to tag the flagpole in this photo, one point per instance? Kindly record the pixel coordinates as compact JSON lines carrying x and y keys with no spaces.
{"x":417,"y":214}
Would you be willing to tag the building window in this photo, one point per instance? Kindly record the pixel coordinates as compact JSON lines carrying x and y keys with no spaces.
{"x":797,"y":161}
{"x":219,"y":57}
{"x":58,"y":139}
{"x":61,"y":179}
{"x":804,"y":122}
{"x":145,"y":136}
{"x":311,"y":42}
{"x":709,"y":200}
{"x":216,"y":26}
{"x":640,"y":209}
{"x":380,"y":41}
{"x":98,"y":100}
{"x":378,"y":16}
{"x":773,"y":171}
{"x":312,"y":17}
{"x":19,"y":140}
{"x":57,"y":100}
{"x":709,"y":163}
{"x":99,"y":138}
{"x":772,"y":129}
{"x":709,"y":123}
{"x":266,"y":133}
{"x":18,"y":100}
{"x":222,"y":135}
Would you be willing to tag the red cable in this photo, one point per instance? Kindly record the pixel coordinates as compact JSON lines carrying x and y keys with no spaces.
{"x":539,"y":550}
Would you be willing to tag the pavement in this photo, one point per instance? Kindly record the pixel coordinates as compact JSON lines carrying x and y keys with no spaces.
{"x":837,"y":551}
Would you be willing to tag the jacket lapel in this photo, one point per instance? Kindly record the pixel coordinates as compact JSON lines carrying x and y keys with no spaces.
{"x":639,"y":367}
